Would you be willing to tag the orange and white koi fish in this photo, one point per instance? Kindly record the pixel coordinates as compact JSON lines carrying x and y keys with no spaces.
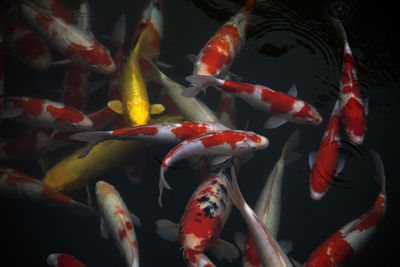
{"x":286,"y":107}
{"x":268,"y":205}
{"x":17,"y":184}
{"x":116,"y":220}
{"x":326,"y":164}
{"x":81,"y":47}
{"x":267,"y":247}
{"x":221,"y":145}
{"x":48,"y":114}
{"x":202,"y":222}
{"x":352,"y":110}
{"x":217,"y":55}
{"x":351,"y":238}
{"x":63,"y":260}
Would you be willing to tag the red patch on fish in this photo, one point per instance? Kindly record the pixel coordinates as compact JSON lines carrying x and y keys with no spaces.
{"x":121,"y":234}
{"x":30,"y":106}
{"x":95,"y":55}
{"x":56,"y":197}
{"x":304,"y":112}
{"x":65,"y":114}
{"x":65,"y":260}
{"x":141,"y":130}
{"x":43,"y":20}
{"x":250,"y":254}
{"x":235,"y":87}
{"x":353,"y":117}
{"x":280,"y":103}
{"x":59,"y":9}
{"x":128,"y":225}
{"x":373,"y":216}
{"x":227,"y":137}
{"x":189,"y":130}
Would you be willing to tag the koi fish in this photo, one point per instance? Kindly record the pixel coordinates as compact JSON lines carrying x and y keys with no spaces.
{"x":268,"y":205}
{"x":267,"y":247}
{"x":82,"y":48}
{"x":135,"y":103}
{"x":220,"y":144}
{"x":63,"y":260}
{"x":190,"y":107}
{"x":76,"y":78}
{"x":351,"y":238}
{"x":16,"y":184}
{"x":170,"y":133}
{"x":352,"y":110}
{"x":72,"y":172}
{"x":27,"y":46}
{"x":217,"y":55}
{"x":286,"y":106}
{"x":202,"y":222}
{"x":38,"y":140}
{"x":48,"y":114}
{"x":326,"y":164}
{"x":116,"y":220}
{"x":57,"y":7}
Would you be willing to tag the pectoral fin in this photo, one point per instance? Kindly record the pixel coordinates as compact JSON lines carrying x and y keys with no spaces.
{"x":240,"y":240}
{"x":103,"y":229}
{"x":167,"y":230}
{"x":223,"y":250}
{"x":116,"y":106}
{"x":156,"y":109}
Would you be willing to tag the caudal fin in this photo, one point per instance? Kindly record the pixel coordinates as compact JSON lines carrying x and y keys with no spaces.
{"x":288,"y":155}
{"x":198,"y":83}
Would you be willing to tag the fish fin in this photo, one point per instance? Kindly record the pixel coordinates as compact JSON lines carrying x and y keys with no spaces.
{"x":235,"y":77}
{"x":103,"y":229}
{"x":191,"y":57}
{"x":240,"y":241}
{"x":311,"y":159}
{"x":218,"y":160}
{"x":44,"y":162}
{"x":234,"y":192}
{"x":164,"y":65}
{"x":80,"y":209}
{"x":379,"y":169}
{"x":168,"y":230}
{"x":286,"y":245}
{"x":147,"y":50}
{"x":366,"y":106}
{"x":64,"y":61}
{"x":223,"y":250}
{"x":340,"y":165}
{"x":161,"y":185}
{"x":95,"y":136}
{"x":89,"y":196}
{"x":274,"y":122}
{"x":87,"y":150}
{"x":199,"y":83}
{"x":11,"y":112}
{"x":116,"y":106}
{"x":292,"y":91}
{"x":288,"y":155}
{"x":135,"y":219}
{"x":156,"y":109}
{"x":296,"y":263}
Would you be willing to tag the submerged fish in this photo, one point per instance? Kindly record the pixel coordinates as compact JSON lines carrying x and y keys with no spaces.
{"x":63,"y":260}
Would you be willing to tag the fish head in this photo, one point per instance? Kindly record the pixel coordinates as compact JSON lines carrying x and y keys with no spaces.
{"x":256,"y":141}
{"x":52,"y":259}
{"x":313,"y":117}
{"x":103,"y":189}
{"x":354,"y":139}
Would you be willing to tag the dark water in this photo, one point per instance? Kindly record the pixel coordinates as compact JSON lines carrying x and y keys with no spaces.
{"x":288,"y":42}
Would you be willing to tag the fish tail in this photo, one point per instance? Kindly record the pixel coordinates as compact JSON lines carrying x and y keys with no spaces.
{"x":234,"y":191}
{"x":340,"y":29}
{"x":198,"y":83}
{"x":162,"y":184}
{"x":288,"y":155}
{"x":380,"y":169}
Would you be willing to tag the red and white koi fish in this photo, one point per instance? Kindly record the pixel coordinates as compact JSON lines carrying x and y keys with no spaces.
{"x":57,"y":7}
{"x":286,"y":106}
{"x":217,"y":55}
{"x":48,"y":114}
{"x":226,"y":110}
{"x":63,"y":260}
{"x":268,"y":205}
{"x":170,"y":133}
{"x":116,"y":218}
{"x":38,"y":140}
{"x":27,"y":46}
{"x":267,"y":247}
{"x":220,"y":144}
{"x":16,"y":184}
{"x":81,"y":47}
{"x":202,"y":222}
{"x":352,"y":110}
{"x":326,"y":164}
{"x":118,"y":37}
{"x":351,"y":238}
{"x":76,"y":77}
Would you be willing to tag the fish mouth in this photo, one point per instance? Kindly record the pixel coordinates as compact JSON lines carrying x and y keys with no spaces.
{"x":316,"y":195}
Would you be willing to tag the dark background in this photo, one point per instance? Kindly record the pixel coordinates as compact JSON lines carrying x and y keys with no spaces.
{"x":288,"y":42}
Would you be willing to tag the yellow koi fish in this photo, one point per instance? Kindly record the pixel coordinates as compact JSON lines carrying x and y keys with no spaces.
{"x":135,"y":103}
{"x":73,"y":173}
